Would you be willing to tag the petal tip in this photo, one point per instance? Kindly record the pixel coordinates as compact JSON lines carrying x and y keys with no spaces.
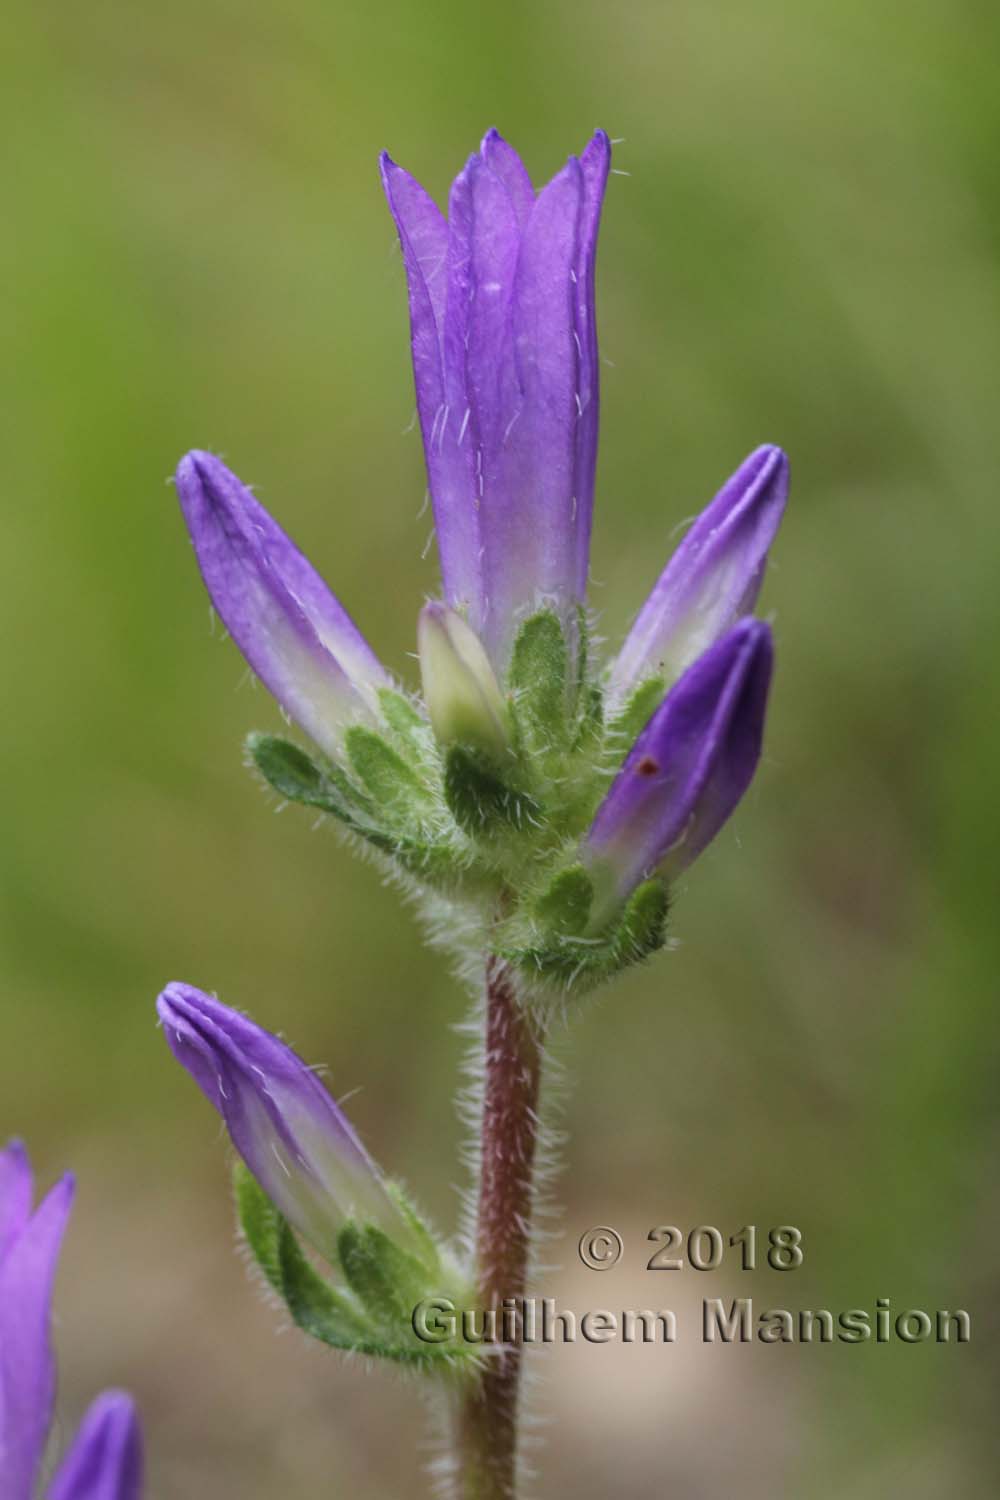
{"x":772,"y":457}
{"x":388,"y":169}
{"x":199,"y":468}
{"x":749,"y":634}
{"x":60,"y":1196}
{"x":16,"y":1151}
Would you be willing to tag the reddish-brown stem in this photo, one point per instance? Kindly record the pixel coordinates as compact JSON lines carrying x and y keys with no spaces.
{"x":488,"y":1418}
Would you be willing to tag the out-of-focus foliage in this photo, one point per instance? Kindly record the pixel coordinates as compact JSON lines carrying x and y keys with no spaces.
{"x":805,"y":251}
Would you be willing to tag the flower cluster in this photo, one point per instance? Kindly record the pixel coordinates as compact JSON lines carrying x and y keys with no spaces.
{"x":529,"y":779}
{"x":105,"y":1459}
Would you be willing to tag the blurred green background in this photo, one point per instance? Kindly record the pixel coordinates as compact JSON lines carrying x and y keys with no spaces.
{"x":196,"y":252}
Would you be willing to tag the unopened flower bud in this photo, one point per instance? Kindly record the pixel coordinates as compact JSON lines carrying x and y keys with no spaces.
{"x":295,"y":635}
{"x":292,"y":1135}
{"x":463,"y":697}
{"x":711,"y":581}
{"x":687,"y":770}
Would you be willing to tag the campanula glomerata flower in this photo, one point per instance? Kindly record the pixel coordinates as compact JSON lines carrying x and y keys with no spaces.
{"x":524,"y":740}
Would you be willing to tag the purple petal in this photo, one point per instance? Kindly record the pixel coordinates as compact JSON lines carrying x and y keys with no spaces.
{"x":712,"y":579}
{"x":595,"y":163}
{"x":15,"y":1194}
{"x":481,"y":396}
{"x":483,"y":253}
{"x":298,"y":639}
{"x":530,"y":522}
{"x":689,"y":767}
{"x":424,"y":239}
{"x":504,"y":162}
{"x":27,"y":1372}
{"x":423,"y":233}
{"x":537,"y":535}
{"x":293,"y":1137}
{"x":509,"y":416}
{"x":105,"y":1460}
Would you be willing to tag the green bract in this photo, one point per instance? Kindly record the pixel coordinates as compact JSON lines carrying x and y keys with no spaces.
{"x":372,"y":1312}
{"x":496,"y":829}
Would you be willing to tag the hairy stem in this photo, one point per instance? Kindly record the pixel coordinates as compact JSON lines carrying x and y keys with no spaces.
{"x":488,"y":1419}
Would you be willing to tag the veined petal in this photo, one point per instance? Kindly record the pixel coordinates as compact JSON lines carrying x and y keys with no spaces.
{"x":595,"y":163}
{"x":481,"y":396}
{"x":509,"y":418}
{"x":531,"y":527}
{"x":105,"y":1461}
{"x":424,"y":240}
{"x":27,"y":1372}
{"x":423,"y":234}
{"x":504,"y":162}
{"x":484,"y":245}
{"x":689,"y":767}
{"x":712,"y":579}
{"x":292,"y":1135}
{"x":295,"y":635}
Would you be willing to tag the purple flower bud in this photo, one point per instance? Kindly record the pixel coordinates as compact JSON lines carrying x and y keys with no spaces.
{"x":29,"y":1251}
{"x":292,"y":1135}
{"x":105,"y":1460}
{"x":687,"y":770}
{"x":506,"y":369}
{"x":295,"y":635}
{"x":713,"y":578}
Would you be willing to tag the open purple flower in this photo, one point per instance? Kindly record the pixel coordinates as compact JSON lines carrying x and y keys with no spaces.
{"x":292,"y":1135}
{"x":296,"y":636}
{"x":105,"y":1459}
{"x":506,"y":368}
{"x":713,"y":578}
{"x":687,"y":770}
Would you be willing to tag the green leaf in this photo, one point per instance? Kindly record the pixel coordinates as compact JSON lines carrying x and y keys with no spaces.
{"x":481,"y":801}
{"x":582,"y":672}
{"x":399,"y":713}
{"x":643,"y":926}
{"x":624,"y":730}
{"x":537,"y":680}
{"x":317,"y":1307}
{"x":260,"y":1223}
{"x":429,"y":1255}
{"x":565,"y":904}
{"x":295,"y":776}
{"x":578,"y":963}
{"x":388,"y":1281}
{"x":395,"y":786}
{"x":590,"y":720}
